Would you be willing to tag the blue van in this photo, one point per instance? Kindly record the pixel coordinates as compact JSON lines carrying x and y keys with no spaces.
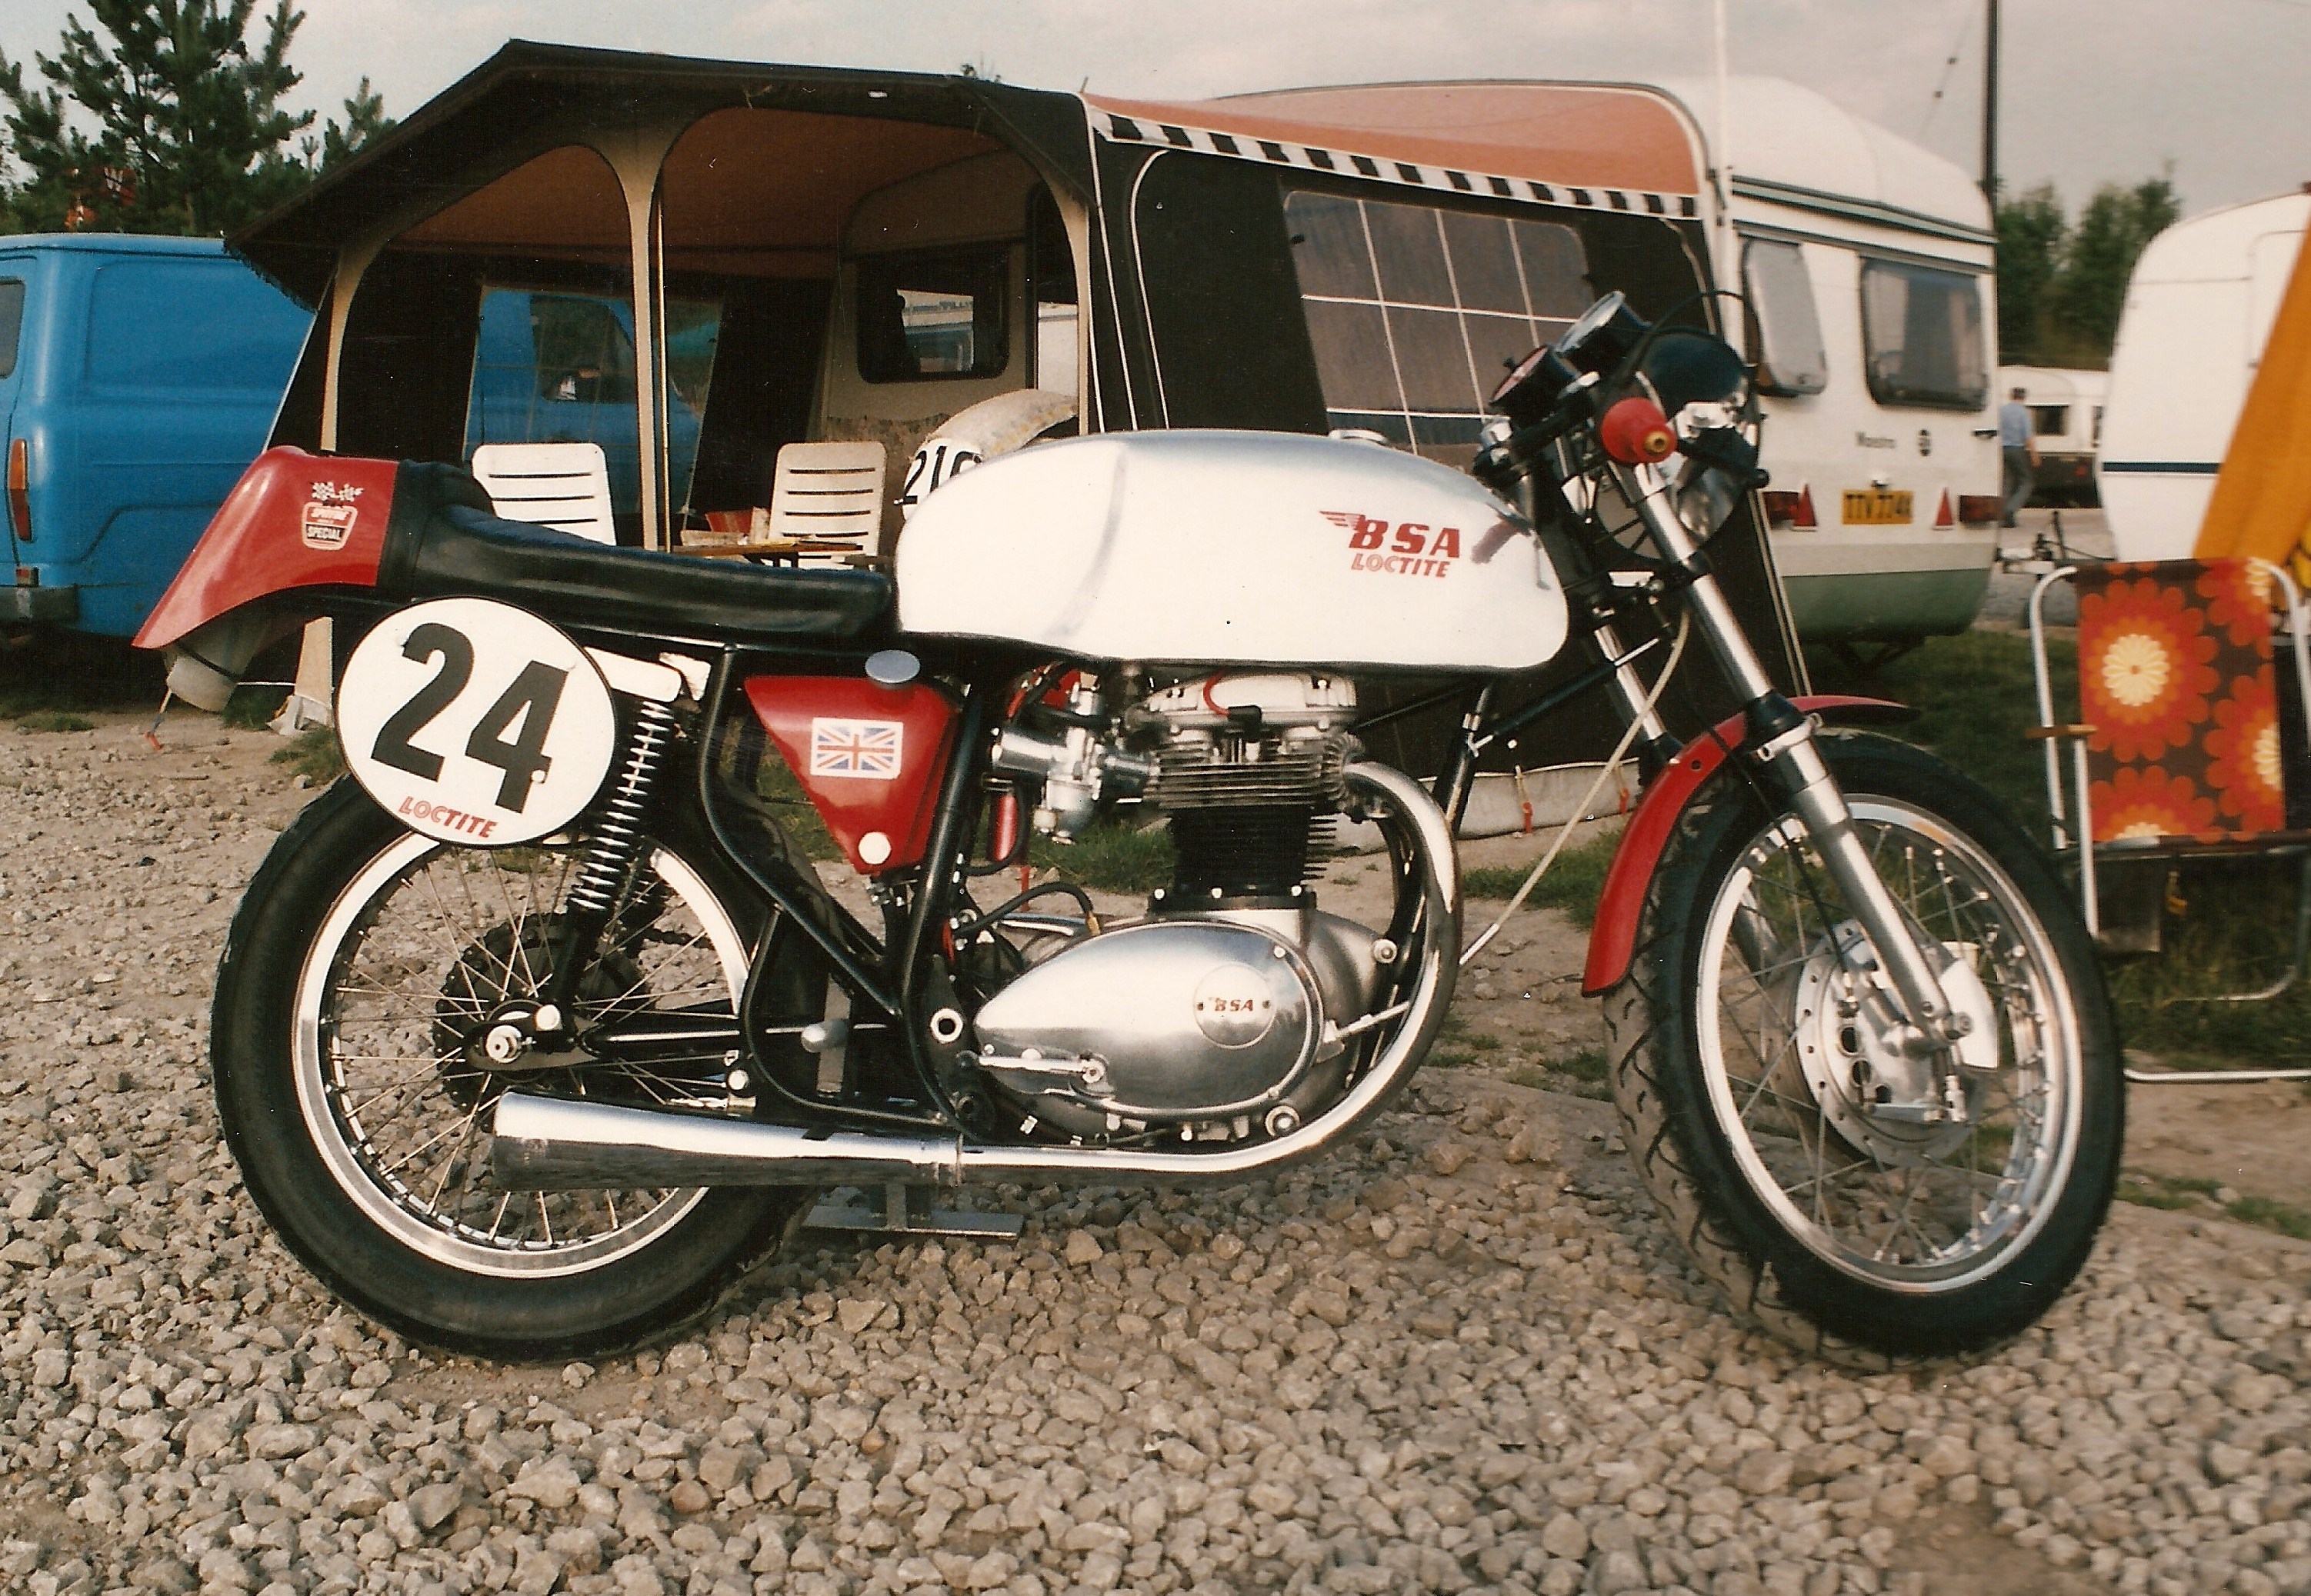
{"x":138,"y":378}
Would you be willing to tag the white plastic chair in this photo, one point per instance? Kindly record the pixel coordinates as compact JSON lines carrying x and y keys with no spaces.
{"x":563,"y":485}
{"x":829,"y":494}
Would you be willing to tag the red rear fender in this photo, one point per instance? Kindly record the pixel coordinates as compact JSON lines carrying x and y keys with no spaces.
{"x":293,"y":520}
{"x":1614,"y":936}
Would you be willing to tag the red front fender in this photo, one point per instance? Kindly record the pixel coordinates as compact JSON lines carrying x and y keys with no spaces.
{"x":1613,"y":936}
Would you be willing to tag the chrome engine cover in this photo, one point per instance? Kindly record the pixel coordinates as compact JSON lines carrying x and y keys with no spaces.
{"x":1159,"y":1022}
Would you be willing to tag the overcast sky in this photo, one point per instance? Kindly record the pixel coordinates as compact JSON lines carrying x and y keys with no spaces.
{"x":2095,"y":91}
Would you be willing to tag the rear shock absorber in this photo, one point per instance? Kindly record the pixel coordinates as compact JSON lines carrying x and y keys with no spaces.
{"x":617,"y":843}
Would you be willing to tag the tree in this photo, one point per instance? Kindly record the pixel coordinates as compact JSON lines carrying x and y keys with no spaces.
{"x":2032,"y":234}
{"x":2113,"y":229}
{"x":365,"y":119}
{"x":2061,"y":287}
{"x":190,"y":134}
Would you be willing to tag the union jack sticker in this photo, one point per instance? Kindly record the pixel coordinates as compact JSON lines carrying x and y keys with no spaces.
{"x":867,"y":749}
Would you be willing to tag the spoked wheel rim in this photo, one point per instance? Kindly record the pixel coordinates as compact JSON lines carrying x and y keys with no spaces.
{"x":1910,"y":1207}
{"x":402,"y":1122}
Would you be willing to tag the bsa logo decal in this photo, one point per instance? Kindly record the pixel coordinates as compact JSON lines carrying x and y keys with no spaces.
{"x":1412,"y":549}
{"x":863,"y":750}
{"x":330,"y":516}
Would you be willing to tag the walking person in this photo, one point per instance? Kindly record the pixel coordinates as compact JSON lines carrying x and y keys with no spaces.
{"x":2018,"y":444}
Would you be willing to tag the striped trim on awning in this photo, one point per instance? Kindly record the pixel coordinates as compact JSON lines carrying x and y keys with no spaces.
{"x":1441,"y":179}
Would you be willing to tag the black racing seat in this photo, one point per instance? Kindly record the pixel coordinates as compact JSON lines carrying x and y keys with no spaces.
{"x":444,"y":539}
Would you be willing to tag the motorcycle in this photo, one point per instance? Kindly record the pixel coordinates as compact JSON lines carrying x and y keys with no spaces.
{"x":536,"y":1032}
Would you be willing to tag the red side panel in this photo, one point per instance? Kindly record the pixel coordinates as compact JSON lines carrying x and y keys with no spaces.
{"x":870,"y":757}
{"x":293,"y":520}
{"x":1613,"y":936}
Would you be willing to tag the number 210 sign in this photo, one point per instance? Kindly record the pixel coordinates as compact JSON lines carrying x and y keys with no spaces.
{"x":476,"y":722}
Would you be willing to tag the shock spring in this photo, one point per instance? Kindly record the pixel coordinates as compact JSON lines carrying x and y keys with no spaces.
{"x":610,"y":858}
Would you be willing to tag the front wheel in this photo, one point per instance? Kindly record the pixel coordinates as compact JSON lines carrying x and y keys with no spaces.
{"x":1849,"y":1194}
{"x":364,"y":976}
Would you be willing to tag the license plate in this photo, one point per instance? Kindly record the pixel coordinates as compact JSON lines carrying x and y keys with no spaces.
{"x":1878,"y":507}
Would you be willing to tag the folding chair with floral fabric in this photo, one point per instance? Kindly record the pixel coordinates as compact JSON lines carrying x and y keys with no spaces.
{"x":2178,"y":751}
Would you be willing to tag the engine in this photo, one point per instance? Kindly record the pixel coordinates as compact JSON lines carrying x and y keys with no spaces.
{"x":1218,"y":1016}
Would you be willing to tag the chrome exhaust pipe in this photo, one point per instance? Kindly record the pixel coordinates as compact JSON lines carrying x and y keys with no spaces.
{"x":550,"y":1144}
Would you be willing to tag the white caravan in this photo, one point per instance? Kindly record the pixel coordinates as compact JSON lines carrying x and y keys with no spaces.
{"x":2066,"y":407}
{"x":2198,"y":314}
{"x":1868,"y":262}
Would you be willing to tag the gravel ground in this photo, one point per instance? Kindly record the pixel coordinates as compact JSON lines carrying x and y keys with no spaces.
{"x":1460,"y":1358}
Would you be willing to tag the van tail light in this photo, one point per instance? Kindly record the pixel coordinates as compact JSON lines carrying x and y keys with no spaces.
{"x":1784,"y":508}
{"x":1943,"y":519}
{"x":19,"y":488}
{"x":1975,"y":509}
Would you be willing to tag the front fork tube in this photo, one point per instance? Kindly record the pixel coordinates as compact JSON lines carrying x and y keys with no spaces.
{"x":1782,"y":741}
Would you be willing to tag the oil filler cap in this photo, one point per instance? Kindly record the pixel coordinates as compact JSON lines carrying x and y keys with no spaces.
{"x":892,"y":667}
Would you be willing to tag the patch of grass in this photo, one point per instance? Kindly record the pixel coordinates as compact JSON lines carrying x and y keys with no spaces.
{"x":2233,"y":932}
{"x":2170,"y":1192}
{"x":315,"y":754}
{"x":1975,"y":695}
{"x":2284,"y":1217}
{"x":1117,"y":858}
{"x":1573,"y":883}
{"x":1484,"y":1042}
{"x":54,"y":721}
{"x":252,"y":707}
{"x":1583,"y":1074}
{"x":2194,"y":1192}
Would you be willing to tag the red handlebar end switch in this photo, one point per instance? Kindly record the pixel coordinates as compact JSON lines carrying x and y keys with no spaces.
{"x":1635,"y":432}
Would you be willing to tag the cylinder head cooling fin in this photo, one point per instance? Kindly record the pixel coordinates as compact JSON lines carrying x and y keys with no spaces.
{"x":1251,"y":779}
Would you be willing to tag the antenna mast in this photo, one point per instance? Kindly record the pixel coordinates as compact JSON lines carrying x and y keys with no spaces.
{"x":1989,"y":109}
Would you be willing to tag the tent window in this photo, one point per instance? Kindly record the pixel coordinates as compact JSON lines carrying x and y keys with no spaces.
{"x":1052,"y":270}
{"x":559,"y":368}
{"x":1784,"y":330}
{"x":1922,"y":329}
{"x":936,"y":314}
{"x":1413,"y":310}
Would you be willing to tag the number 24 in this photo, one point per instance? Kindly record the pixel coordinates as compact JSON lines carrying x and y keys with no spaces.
{"x":534,"y":696}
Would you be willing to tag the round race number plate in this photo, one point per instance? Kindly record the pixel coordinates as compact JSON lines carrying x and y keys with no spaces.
{"x":476,"y":722}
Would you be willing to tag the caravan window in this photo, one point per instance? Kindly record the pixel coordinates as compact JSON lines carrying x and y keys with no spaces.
{"x":2050,"y":421}
{"x":1414,"y":311}
{"x":1922,"y":329}
{"x":1785,"y":331}
{"x":939,"y":313}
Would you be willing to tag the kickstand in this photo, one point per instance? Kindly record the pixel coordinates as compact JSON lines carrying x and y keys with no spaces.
{"x":908,"y":1210}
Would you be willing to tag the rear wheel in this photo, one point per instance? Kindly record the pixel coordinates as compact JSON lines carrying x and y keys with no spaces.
{"x":361,"y":1042}
{"x":1844,"y":1193}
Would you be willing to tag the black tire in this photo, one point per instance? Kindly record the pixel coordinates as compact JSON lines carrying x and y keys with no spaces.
{"x":1726,"y":1114}
{"x":316,"y":1165}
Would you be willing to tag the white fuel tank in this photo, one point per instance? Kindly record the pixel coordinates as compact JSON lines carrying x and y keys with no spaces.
{"x":1227,"y":549}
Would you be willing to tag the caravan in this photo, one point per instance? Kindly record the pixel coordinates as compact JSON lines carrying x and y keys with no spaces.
{"x":2066,"y":408}
{"x":2200,"y":314}
{"x":1868,"y":265}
